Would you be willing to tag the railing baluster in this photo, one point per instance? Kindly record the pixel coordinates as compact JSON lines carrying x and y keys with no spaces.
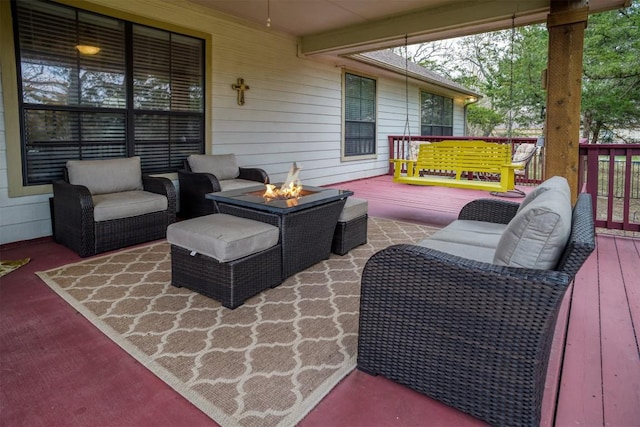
{"x":611,"y":192}
{"x":605,"y":179}
{"x":627,"y":190}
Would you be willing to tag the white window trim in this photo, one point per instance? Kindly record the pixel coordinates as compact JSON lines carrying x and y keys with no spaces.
{"x":374,"y":155}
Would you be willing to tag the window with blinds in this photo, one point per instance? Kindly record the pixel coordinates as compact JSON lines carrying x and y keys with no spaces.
{"x":436,"y":115}
{"x":360,"y":116}
{"x":141,"y":93}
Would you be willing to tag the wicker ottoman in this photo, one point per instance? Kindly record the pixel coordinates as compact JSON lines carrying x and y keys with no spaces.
{"x":351,"y":230}
{"x":224,"y":257}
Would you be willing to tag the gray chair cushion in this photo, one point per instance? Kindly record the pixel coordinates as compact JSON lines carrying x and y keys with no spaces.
{"x":223,"y":237}
{"x":223,"y":166}
{"x":106,"y":176}
{"x":537,"y":235}
{"x":235,"y":184}
{"x":353,"y":208}
{"x":475,"y":233}
{"x":555,"y":182}
{"x":126,"y":204}
{"x":476,"y":253}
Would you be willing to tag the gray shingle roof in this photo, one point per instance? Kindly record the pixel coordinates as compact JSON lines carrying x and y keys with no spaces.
{"x":391,"y":61}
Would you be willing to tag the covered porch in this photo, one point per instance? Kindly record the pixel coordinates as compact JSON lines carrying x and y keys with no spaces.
{"x":66,"y":372}
{"x":63,"y":371}
{"x":295,"y":68}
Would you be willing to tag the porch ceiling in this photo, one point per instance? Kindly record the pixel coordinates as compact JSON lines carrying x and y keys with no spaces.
{"x":351,"y":26}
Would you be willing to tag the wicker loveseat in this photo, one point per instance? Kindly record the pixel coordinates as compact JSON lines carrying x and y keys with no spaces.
{"x":103,"y":205}
{"x":204,"y":174}
{"x":466,"y":323}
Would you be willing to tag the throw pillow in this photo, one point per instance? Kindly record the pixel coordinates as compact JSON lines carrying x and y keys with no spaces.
{"x":537,"y":235}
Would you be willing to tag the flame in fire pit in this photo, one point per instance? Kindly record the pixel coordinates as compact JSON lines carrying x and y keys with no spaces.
{"x":290,"y":189}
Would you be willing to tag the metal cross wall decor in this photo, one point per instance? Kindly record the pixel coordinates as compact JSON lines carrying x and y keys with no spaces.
{"x":240,"y":87}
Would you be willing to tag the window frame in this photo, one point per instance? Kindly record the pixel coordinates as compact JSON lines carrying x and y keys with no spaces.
{"x":10,"y":89}
{"x":442,"y":113}
{"x":343,"y":156}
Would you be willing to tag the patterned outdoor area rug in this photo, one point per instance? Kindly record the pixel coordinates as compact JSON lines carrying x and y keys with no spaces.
{"x":266,"y":363}
{"x":9,"y":265}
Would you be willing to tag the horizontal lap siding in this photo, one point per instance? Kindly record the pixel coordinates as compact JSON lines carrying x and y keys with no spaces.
{"x":292,"y":113}
{"x":21,"y":218}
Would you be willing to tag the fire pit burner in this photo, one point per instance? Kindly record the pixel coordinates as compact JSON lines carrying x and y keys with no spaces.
{"x":261,"y":193}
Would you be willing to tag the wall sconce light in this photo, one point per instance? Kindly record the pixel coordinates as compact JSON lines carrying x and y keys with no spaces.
{"x":86,"y":49}
{"x":471,"y":100}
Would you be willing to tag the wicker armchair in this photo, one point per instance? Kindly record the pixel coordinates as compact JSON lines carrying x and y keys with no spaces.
{"x":473,"y":335}
{"x":90,"y":219}
{"x":200,"y":177}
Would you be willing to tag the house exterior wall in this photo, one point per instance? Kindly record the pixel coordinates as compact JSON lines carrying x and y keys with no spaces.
{"x":21,"y":218}
{"x":292,"y":111}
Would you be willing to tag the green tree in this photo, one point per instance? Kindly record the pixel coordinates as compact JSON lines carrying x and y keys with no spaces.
{"x":611,"y":74}
{"x":506,"y":67}
{"x":482,"y":120}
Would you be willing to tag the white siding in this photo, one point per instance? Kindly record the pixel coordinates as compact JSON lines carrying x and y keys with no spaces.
{"x":458,"y":117}
{"x":21,"y":218}
{"x":292,"y":112}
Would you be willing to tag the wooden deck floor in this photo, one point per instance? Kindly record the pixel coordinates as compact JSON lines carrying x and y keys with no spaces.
{"x":594,"y":372}
{"x":57,"y":369}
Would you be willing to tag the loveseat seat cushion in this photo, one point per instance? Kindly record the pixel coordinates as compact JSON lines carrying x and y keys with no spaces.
{"x":538,"y":233}
{"x":476,"y":253}
{"x":475,"y":233}
{"x":223,"y":166}
{"x":126,"y":204}
{"x":106,"y":176}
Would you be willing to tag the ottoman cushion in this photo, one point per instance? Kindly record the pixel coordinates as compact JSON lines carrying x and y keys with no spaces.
{"x":223,"y":237}
{"x":353,"y":208}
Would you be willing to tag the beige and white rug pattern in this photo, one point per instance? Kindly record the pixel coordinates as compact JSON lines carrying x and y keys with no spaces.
{"x":9,"y":265}
{"x":266,"y":363}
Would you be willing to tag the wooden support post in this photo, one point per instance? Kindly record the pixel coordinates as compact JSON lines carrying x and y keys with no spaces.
{"x":566,"y":24}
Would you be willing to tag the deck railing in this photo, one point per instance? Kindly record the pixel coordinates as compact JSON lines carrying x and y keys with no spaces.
{"x":611,"y":172}
{"x":399,"y":149}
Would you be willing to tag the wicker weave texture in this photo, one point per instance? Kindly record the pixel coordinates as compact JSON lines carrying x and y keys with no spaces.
{"x":489,"y":210}
{"x":74,"y":224}
{"x":115,"y":234}
{"x":475,"y":336}
{"x":305,"y":235}
{"x":231,"y":283}
{"x":349,"y":234}
{"x":194,"y":186}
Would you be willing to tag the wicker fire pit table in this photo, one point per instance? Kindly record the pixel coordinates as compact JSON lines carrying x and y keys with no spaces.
{"x":306,"y":223}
